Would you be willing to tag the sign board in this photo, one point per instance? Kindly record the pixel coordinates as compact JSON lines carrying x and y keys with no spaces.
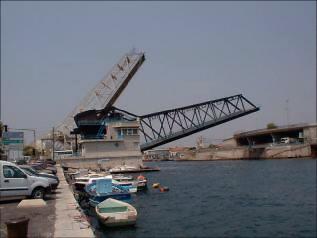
{"x":9,"y":142}
{"x":13,"y":140}
{"x":12,"y":135}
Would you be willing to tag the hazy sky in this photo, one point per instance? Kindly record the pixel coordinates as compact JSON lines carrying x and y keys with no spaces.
{"x":53,"y":53}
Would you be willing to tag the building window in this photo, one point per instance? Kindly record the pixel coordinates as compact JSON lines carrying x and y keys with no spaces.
{"x":129,"y":131}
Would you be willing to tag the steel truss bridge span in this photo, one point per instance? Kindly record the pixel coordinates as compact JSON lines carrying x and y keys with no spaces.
{"x":166,"y":126}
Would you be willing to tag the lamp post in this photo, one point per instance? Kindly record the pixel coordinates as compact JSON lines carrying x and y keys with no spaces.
{"x":53,"y":149}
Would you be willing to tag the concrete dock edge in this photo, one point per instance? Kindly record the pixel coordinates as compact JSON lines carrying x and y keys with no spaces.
{"x":69,"y":222}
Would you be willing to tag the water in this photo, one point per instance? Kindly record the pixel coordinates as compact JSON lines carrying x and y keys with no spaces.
{"x":266,"y":198}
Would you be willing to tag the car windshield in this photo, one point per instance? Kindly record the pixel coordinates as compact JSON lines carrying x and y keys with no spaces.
{"x":28,"y":172}
{"x":31,"y":171}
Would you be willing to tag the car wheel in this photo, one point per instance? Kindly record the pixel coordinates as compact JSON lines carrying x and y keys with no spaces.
{"x":38,"y":193}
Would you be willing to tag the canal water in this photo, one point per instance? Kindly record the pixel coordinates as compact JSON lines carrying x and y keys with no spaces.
{"x":264,"y":198}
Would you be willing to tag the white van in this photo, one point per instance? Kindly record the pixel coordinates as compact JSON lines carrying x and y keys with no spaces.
{"x":14,"y":183}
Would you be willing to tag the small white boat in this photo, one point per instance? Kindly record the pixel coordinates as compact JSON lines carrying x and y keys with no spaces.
{"x":122,"y":178}
{"x":81,"y":182}
{"x":112,"y":212}
{"x":124,"y":168}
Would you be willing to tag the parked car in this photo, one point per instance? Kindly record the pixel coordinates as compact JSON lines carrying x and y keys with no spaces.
{"x":288,"y":140}
{"x":15,"y":183}
{"x":52,"y":179}
{"x":43,"y":167}
{"x":21,"y":161}
{"x":50,"y":161}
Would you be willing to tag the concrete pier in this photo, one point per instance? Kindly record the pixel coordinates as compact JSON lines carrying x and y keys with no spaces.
{"x":69,"y":221}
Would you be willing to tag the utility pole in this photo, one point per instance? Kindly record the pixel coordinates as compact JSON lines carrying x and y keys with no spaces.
{"x":53,"y":149}
{"x":287,"y":113}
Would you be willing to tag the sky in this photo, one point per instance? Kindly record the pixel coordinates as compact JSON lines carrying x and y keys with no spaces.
{"x":54,"y":53}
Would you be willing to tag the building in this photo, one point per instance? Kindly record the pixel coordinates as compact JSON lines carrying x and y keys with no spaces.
{"x":157,"y":154}
{"x":179,"y":153}
{"x":105,"y":141}
{"x":293,"y":141}
{"x":298,"y":133}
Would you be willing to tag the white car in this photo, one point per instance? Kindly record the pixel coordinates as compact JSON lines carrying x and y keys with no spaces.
{"x":15,"y":183}
{"x":52,"y":179}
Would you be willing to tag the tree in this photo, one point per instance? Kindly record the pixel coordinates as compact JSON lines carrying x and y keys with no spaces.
{"x":271,"y":125}
{"x":29,"y":151}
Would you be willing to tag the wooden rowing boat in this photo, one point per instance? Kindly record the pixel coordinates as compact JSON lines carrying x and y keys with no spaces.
{"x":112,"y":212}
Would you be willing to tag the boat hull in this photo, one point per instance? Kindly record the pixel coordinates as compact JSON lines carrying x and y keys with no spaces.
{"x":117,"y":217}
{"x":112,"y":222}
{"x":142,"y":185}
{"x":95,"y":200}
{"x":80,"y":186}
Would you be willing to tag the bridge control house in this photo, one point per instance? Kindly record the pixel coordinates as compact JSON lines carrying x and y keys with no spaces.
{"x":107,"y":140}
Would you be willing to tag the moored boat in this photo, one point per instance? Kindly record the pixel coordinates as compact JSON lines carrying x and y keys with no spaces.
{"x":122,"y":177}
{"x":141,"y":183}
{"x":103,"y":189}
{"x":112,"y":212}
{"x":81,"y":182}
{"x":128,"y":186}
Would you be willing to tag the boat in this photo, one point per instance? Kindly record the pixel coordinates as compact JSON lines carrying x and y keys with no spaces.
{"x":130,"y":186}
{"x":123,"y":169}
{"x":141,"y":183}
{"x":122,"y":177}
{"x":127,"y":169}
{"x":112,"y":212}
{"x":81,"y":182}
{"x":128,"y":181}
{"x":102,"y":189}
{"x":125,"y":183}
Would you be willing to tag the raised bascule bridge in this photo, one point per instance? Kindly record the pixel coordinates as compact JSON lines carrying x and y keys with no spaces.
{"x":105,"y":132}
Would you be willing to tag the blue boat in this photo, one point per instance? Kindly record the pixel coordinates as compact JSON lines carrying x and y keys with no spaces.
{"x":103,"y":189}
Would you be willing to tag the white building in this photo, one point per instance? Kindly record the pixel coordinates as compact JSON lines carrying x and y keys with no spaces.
{"x":120,"y":146}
